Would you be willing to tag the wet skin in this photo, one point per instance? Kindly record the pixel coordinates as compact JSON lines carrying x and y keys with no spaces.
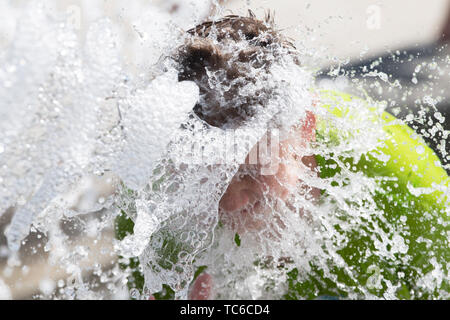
{"x":242,"y":206}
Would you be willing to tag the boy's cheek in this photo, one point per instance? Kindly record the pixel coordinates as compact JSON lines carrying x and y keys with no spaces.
{"x":233,"y":200}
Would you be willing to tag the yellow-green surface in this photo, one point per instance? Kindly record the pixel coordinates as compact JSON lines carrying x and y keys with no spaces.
{"x":420,"y":220}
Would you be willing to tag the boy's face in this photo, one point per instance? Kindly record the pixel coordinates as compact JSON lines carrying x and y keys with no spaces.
{"x":222,"y":58}
{"x":249,"y":200}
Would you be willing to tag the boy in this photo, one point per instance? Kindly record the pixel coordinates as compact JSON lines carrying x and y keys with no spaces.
{"x":224,"y":56}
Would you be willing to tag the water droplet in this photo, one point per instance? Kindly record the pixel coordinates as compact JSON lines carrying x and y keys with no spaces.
{"x":47,"y":286}
{"x":437,"y":115}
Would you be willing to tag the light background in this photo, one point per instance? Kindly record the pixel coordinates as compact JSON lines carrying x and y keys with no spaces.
{"x":348,"y":27}
{"x":334,"y":28}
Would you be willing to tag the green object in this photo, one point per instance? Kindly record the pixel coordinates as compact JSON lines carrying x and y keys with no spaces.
{"x":402,"y":162}
{"x":403,"y":165}
{"x":237,"y":239}
{"x":168,"y":252}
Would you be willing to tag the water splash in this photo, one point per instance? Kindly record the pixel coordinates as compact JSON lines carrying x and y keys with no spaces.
{"x":73,"y":107}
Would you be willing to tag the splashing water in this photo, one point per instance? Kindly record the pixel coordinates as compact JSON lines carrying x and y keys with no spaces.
{"x":72,"y":108}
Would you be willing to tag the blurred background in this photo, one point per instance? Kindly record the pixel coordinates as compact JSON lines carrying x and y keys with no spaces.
{"x":342,"y":40}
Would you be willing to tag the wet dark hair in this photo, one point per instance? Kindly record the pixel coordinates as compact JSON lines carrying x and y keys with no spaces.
{"x":207,"y":50}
